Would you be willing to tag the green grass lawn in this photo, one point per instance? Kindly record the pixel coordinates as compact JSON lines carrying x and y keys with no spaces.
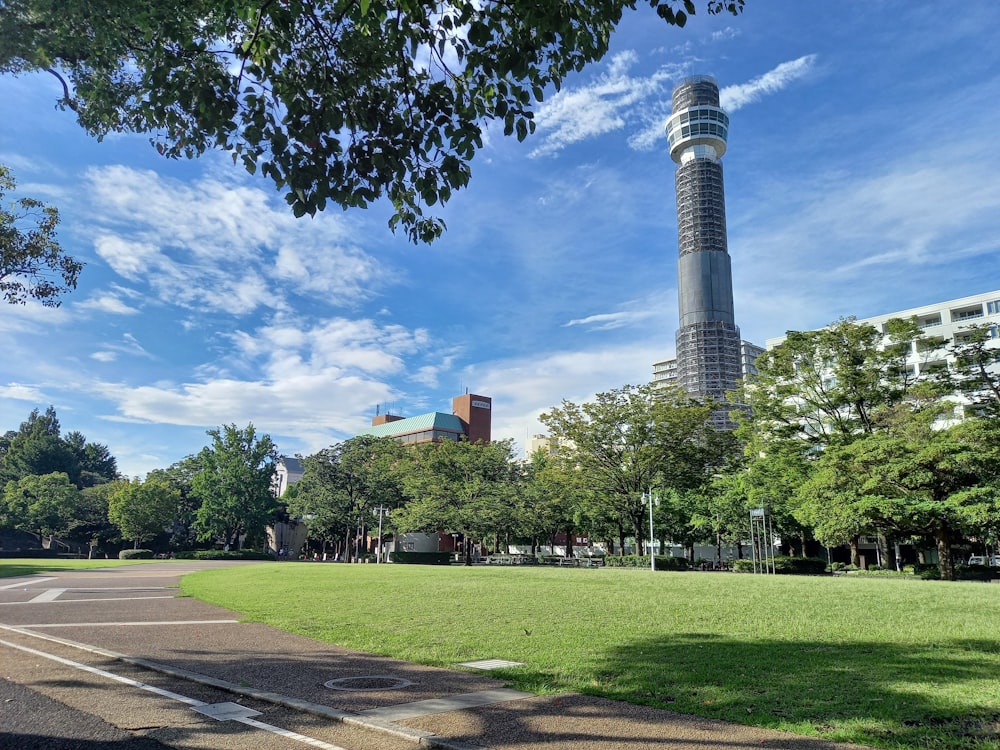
{"x":27,"y":566}
{"x":891,"y":663}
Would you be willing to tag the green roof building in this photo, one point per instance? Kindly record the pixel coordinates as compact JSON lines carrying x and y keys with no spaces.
{"x":471,"y":417}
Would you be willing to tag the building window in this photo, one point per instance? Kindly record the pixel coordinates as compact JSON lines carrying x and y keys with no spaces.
{"x":992,"y":308}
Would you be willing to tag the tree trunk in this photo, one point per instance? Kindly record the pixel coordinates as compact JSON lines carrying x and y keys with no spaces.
{"x":802,"y":542}
{"x":639,"y":530}
{"x":946,"y":565}
{"x":569,"y":541}
{"x":621,"y":538}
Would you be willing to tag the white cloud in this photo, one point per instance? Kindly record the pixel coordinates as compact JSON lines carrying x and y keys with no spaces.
{"x":104,"y":356}
{"x":524,"y":387}
{"x":725,"y":34}
{"x":315,"y":383}
{"x":617,"y":100}
{"x":185,"y":240}
{"x":610,"y":321}
{"x":601,"y":107}
{"x":344,"y":272}
{"x":31,"y":316}
{"x":19,"y":392}
{"x":922,"y":218}
{"x":108,"y":303}
{"x":739,"y":95}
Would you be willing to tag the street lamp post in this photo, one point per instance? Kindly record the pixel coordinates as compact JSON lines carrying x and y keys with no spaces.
{"x":652,"y":499}
{"x":379,"y":510}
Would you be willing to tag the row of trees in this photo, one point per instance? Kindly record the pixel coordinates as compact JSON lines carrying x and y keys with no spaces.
{"x":64,"y":486}
{"x":843,"y":440}
{"x":625,"y":442}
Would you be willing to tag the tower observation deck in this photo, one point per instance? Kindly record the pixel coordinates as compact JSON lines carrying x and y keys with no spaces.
{"x":708,"y":340}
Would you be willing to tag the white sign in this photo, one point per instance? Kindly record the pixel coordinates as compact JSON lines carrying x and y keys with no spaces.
{"x":481,"y":404}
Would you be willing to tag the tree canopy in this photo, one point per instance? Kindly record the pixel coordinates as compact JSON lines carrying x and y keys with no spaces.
{"x":333,"y":100}
{"x":32,"y":263}
{"x":468,"y":488}
{"x":40,"y":503}
{"x":234,"y":485}
{"x":636,"y":438}
{"x":141,"y":510}
{"x":343,"y":484}
{"x":848,"y":440}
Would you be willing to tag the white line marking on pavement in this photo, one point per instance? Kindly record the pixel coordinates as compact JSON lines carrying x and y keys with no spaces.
{"x":193,"y":702}
{"x":84,"y":601}
{"x":120,"y":588}
{"x":103,"y":673}
{"x":29,"y":582}
{"x":49,"y":595}
{"x":87,"y":601}
{"x":289,"y":734}
{"x":117,"y":624}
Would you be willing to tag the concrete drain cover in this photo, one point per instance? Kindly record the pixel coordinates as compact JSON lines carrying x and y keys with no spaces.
{"x":227,"y":711}
{"x":376,"y":682}
{"x":488,"y":664}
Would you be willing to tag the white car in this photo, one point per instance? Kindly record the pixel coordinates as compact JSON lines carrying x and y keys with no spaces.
{"x":992,"y":560}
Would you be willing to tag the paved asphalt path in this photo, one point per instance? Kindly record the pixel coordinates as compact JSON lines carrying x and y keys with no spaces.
{"x":113,"y":659}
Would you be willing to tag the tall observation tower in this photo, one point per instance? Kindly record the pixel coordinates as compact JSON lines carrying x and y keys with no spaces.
{"x":708,"y":340}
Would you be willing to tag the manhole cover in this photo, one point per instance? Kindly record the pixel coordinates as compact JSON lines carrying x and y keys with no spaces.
{"x":375,"y":682}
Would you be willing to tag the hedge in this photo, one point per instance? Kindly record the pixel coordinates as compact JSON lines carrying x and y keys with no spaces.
{"x":421,"y":558}
{"x":794,"y":566}
{"x":135,"y":554}
{"x":28,"y":553}
{"x":662,"y":562}
{"x":218,"y":554}
{"x":976,"y":572}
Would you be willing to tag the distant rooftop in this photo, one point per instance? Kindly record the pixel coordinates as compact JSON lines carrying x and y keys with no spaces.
{"x":434,"y":420}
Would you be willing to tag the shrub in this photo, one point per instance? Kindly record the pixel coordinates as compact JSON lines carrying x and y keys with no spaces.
{"x":976,"y":572}
{"x":421,"y":558}
{"x":135,"y":554}
{"x":795,"y":566}
{"x":218,"y":554}
{"x":927,"y":571}
{"x":663,"y":562}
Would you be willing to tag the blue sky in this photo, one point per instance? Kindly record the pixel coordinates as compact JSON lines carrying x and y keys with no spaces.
{"x":861,"y":178}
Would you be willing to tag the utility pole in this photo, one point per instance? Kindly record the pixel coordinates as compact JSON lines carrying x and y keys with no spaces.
{"x":379,"y":510}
